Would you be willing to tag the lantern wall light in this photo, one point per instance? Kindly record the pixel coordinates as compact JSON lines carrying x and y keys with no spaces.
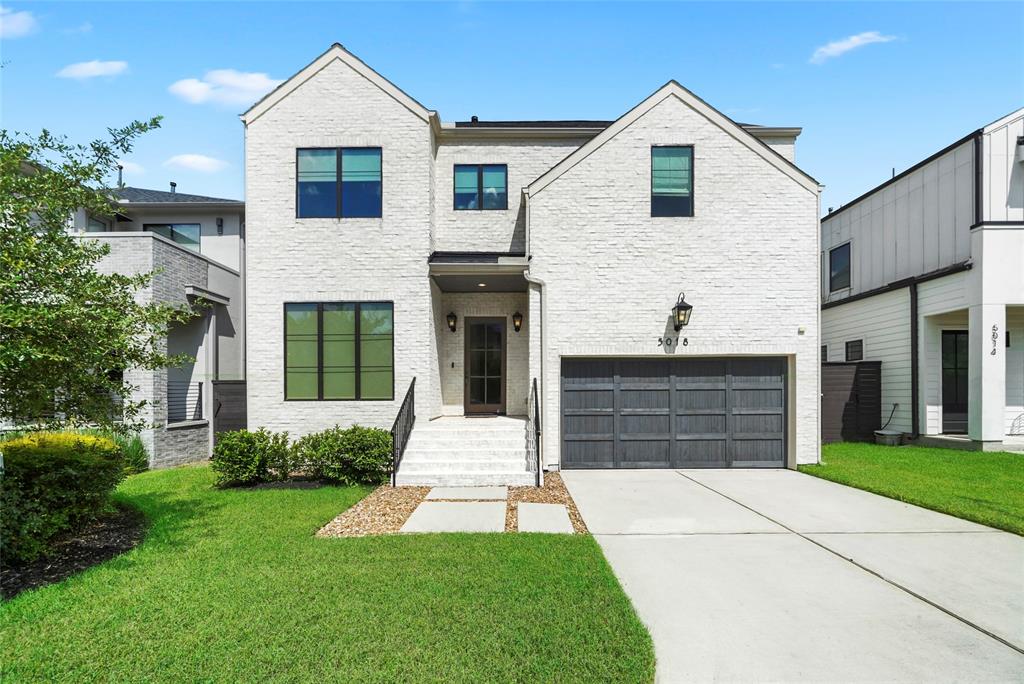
{"x":452,"y":319}
{"x":681,"y":312}
{"x":517,"y":321}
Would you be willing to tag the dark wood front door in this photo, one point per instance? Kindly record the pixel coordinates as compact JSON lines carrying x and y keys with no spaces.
{"x":485,"y":365}
{"x":954,"y":381}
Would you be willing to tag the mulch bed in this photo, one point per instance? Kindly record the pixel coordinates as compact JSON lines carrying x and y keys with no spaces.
{"x":387,"y":508}
{"x":101,"y":540}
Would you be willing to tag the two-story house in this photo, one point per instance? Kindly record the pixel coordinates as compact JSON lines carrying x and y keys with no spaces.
{"x":924,"y":273}
{"x":194,"y":245}
{"x":530,"y":274}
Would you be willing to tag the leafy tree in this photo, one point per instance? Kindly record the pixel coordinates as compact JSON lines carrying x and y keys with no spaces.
{"x":66,"y":330}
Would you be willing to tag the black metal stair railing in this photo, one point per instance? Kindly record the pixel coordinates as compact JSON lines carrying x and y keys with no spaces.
{"x":401,"y":429}
{"x":536,"y":433}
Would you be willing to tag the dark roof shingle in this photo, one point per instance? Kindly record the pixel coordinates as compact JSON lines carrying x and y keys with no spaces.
{"x":142,"y":195}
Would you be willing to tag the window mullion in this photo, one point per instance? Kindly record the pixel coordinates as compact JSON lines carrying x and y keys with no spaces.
{"x":341,"y":169}
{"x":359,"y":361}
{"x":480,"y":187}
{"x":320,"y":351}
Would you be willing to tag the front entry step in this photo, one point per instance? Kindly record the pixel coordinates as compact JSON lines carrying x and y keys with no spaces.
{"x":459,"y":451}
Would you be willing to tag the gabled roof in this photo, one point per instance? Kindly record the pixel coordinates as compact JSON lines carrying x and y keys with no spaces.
{"x":673,"y":89}
{"x":335,"y":52}
{"x":131,"y":195}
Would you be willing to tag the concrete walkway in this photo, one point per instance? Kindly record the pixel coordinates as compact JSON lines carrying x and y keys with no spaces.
{"x":482,"y":509}
{"x":772,"y":575}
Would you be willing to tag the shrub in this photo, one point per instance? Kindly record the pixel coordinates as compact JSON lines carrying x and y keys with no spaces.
{"x":247,"y":458}
{"x":136,"y":456}
{"x":52,"y":483}
{"x":356,"y":455}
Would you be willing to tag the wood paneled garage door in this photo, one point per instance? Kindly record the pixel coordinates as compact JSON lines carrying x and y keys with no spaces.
{"x":674,"y":413}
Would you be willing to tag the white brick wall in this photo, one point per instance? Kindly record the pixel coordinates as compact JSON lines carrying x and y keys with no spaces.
{"x":747,"y":261}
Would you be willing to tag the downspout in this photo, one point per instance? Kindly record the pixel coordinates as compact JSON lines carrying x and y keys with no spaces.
{"x":915,"y":417}
{"x":541,"y":288}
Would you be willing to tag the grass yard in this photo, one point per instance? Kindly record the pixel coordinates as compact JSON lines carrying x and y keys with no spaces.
{"x":986,"y":487}
{"x":233,"y":586}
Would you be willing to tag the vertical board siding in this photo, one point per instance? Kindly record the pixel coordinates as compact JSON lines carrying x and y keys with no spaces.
{"x":850,"y":398}
{"x":1003,"y":182}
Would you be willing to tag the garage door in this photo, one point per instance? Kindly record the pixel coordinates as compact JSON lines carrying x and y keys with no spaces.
{"x":674,"y":413}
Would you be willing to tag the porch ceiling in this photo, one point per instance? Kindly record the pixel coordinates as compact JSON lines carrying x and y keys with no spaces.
{"x":480,"y":282}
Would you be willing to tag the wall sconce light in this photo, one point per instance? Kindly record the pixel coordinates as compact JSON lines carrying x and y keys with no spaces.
{"x":517,"y":321}
{"x":681,"y":313}
{"x":452,"y":318}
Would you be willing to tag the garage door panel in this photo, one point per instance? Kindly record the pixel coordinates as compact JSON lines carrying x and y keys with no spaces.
{"x":588,"y":399}
{"x":584,"y":453}
{"x":758,"y":423}
{"x":644,"y":453}
{"x":645,"y":398}
{"x":701,"y":399}
{"x":696,"y":453}
{"x":645,"y":425}
{"x":757,"y":450}
{"x":589,"y":425}
{"x":701,"y":424}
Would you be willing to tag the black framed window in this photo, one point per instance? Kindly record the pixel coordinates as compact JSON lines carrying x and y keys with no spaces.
{"x":339,"y":350}
{"x":824,"y":353}
{"x":839,"y":268}
{"x":185,"y":234}
{"x":855,"y":350}
{"x":342,"y":182}
{"x":672,"y":180}
{"x":481,"y":186}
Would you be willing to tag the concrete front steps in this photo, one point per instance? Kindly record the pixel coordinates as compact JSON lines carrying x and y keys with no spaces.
{"x":464,"y":451}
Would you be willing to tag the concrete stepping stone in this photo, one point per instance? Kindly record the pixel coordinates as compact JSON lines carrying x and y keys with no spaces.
{"x":479,"y":493}
{"x":542,"y":517}
{"x":457,"y":516}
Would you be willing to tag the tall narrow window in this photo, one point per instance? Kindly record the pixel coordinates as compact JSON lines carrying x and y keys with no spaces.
{"x":339,"y":182}
{"x":672,"y":181}
{"x":839,"y":268}
{"x":481,"y":186}
{"x":185,"y":234}
{"x":339,"y":350}
{"x":824,"y":353}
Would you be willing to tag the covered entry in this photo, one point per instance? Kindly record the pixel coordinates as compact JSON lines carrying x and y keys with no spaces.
{"x":673,"y":413}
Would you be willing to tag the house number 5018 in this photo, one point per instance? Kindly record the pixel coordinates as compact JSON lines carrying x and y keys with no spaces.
{"x":995,"y":339}
{"x":669,"y":341}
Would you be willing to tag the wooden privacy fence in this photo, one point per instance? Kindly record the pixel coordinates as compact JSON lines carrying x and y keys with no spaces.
{"x":851,"y":401}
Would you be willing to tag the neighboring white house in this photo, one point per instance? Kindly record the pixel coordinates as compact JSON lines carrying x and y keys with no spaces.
{"x":195,"y":247}
{"x":483,"y":258}
{"x":925,"y":273}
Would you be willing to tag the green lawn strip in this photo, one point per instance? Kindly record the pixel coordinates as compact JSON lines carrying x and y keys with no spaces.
{"x":231,"y":585}
{"x":985,"y":487}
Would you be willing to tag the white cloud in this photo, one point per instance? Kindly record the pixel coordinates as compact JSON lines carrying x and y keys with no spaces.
{"x":16,"y":24}
{"x":841,"y":47}
{"x":84,"y":27}
{"x":131,"y":167}
{"x":84,"y":70}
{"x":225,"y":86}
{"x":196,"y":162}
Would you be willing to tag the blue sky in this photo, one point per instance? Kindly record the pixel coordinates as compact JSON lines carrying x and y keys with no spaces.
{"x":874,"y":85}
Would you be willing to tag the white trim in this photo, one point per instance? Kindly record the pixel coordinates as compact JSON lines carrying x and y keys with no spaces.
{"x":999,"y":123}
{"x":335,"y":52}
{"x":710,"y":113}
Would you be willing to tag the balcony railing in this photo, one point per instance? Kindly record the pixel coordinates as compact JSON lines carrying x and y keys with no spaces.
{"x":184,"y":401}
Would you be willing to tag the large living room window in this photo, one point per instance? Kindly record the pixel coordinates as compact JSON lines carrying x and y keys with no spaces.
{"x":185,"y":234}
{"x":339,"y":350}
{"x":481,"y":186}
{"x":338,"y":182}
{"x":839,"y":268}
{"x":672,"y":180}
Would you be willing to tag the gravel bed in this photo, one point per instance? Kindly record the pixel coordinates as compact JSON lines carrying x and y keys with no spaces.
{"x":384,"y":511}
{"x":553,"y":491}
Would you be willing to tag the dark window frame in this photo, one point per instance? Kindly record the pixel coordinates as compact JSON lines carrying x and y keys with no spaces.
{"x":320,"y":349}
{"x":824,"y":353}
{"x":479,"y":188}
{"x":339,"y":203}
{"x":148,"y":227}
{"x":849,"y":356}
{"x":693,"y":181}
{"x":849,"y":267}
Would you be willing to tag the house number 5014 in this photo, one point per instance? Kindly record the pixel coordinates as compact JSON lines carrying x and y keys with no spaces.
{"x":995,"y":339}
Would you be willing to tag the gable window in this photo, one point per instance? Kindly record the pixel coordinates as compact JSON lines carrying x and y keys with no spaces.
{"x":839,"y":268}
{"x":339,"y":350}
{"x":672,"y":181}
{"x":342,"y":182}
{"x":185,"y":234}
{"x":481,"y":186}
{"x":855,"y":350}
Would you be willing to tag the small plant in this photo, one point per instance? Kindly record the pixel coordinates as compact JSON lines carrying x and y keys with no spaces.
{"x":51,"y":483}
{"x":247,"y":458}
{"x":355,"y":455}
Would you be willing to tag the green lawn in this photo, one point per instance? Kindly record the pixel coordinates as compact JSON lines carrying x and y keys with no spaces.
{"x":986,"y":487}
{"x":232,"y":586}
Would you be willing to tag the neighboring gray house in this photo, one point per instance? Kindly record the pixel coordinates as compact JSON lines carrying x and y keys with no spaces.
{"x":924,"y":273}
{"x":486,"y":258}
{"x":195,"y":245}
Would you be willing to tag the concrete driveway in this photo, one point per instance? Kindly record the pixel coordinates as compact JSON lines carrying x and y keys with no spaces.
{"x":772,"y":575}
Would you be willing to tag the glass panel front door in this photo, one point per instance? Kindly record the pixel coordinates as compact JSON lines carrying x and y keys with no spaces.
{"x":485,"y":366}
{"x":954,"y":381}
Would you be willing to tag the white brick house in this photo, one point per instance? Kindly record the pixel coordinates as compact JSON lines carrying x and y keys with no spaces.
{"x":924,"y":274}
{"x":483,"y":258}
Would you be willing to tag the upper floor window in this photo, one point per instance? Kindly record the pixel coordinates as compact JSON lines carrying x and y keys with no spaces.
{"x":855,"y":350}
{"x":672,"y":181}
{"x":839,"y":268}
{"x":340,"y":182}
{"x":185,"y":234}
{"x":339,"y":350}
{"x":481,"y":186}
{"x":95,"y":225}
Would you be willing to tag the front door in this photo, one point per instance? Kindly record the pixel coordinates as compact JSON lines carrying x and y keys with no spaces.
{"x":954,"y":381}
{"x":485,"y":365}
